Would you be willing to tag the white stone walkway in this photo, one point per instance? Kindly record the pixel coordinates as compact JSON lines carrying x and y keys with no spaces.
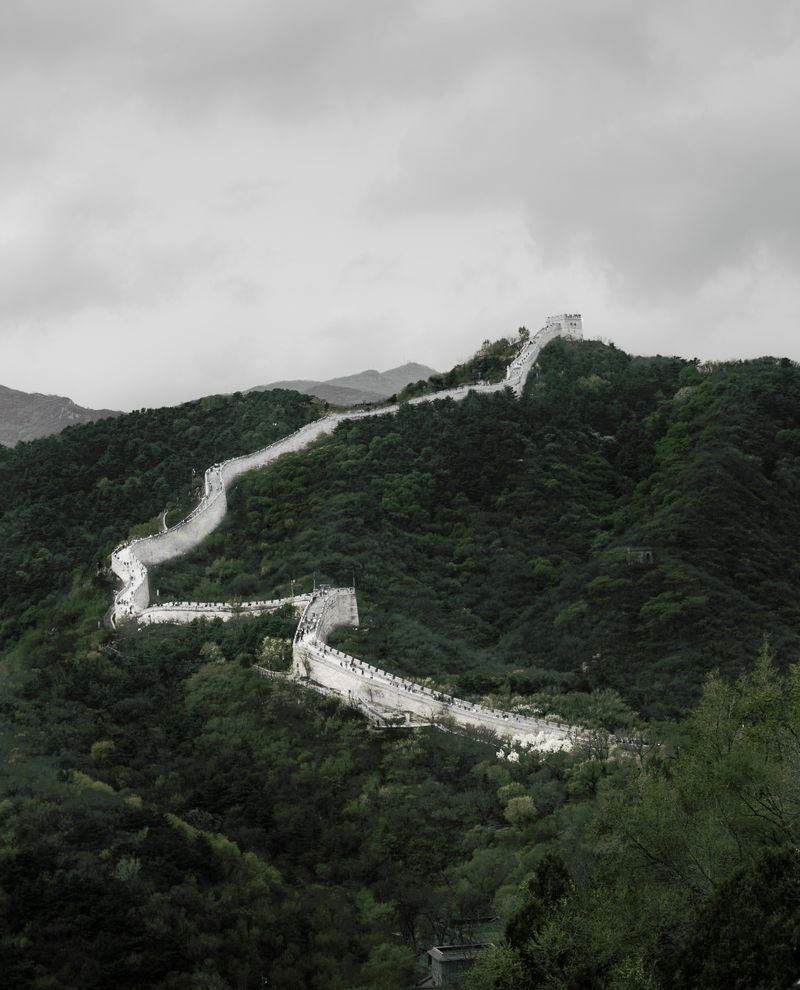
{"x":130,"y":561}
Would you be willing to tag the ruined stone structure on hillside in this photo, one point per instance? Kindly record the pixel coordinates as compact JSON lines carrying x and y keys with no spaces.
{"x":377,"y":692}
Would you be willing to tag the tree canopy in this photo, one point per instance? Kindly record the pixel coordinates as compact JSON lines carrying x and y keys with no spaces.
{"x":612,"y":548}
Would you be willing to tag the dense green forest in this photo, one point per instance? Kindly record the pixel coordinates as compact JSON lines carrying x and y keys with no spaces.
{"x":630,"y":524}
{"x":66,"y":501}
{"x":169,"y":818}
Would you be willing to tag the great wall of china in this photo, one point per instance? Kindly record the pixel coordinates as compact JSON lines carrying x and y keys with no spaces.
{"x":377,"y":692}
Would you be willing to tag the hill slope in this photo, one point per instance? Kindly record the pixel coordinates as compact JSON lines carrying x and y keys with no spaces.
{"x":30,"y":415}
{"x":66,"y":500}
{"x":171,"y":819}
{"x":630,"y":524}
{"x":366,"y":386}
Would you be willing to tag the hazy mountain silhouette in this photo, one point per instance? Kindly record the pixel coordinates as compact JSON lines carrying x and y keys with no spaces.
{"x":349,"y":390}
{"x":28,"y":415}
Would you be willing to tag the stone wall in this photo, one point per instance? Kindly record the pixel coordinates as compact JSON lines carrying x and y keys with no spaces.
{"x":189,"y":611}
{"x":130,"y":561}
{"x":187,"y":535}
{"x":571,"y":324}
{"x":237,"y":466}
{"x":321,"y":666}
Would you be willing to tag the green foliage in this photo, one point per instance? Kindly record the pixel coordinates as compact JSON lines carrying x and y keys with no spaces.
{"x":693,"y":875}
{"x":275,"y":653}
{"x":747,"y":932}
{"x":67,"y":500}
{"x":598,"y":530}
{"x":488,"y":365}
{"x":170,"y":819}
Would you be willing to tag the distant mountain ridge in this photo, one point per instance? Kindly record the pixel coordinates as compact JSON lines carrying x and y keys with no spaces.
{"x":30,"y":415}
{"x":349,"y":390}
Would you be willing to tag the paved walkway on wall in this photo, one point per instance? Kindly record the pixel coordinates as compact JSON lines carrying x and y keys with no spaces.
{"x":190,"y":611}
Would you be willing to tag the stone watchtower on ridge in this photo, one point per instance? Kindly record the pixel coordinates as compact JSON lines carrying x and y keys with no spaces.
{"x":569,"y":324}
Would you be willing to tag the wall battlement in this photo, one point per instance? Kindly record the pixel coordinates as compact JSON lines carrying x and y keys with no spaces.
{"x":571,"y":324}
{"x":189,"y":611}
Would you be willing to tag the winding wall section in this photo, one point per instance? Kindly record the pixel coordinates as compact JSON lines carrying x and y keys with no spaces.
{"x":379,"y":692}
{"x":130,"y":561}
{"x":322,"y":667}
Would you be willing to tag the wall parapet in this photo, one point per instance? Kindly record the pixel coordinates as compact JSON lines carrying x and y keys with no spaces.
{"x":189,"y":611}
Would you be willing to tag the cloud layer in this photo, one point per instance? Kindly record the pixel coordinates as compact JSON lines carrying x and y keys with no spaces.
{"x":212,"y":195}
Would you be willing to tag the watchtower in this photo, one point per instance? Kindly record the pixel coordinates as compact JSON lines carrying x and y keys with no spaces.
{"x":569,"y":324}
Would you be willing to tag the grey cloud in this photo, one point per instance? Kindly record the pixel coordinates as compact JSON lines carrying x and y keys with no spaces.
{"x":314,"y":55}
{"x":53,"y":263}
{"x":302,"y":58}
{"x":37,"y":32}
{"x":288,"y":58}
{"x":311,"y":58}
{"x":53,"y":281}
{"x":661,"y":169}
{"x":646,"y":140}
{"x":75,"y":256}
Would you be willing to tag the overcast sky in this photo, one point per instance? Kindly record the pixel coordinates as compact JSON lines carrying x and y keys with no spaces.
{"x":205,"y":195}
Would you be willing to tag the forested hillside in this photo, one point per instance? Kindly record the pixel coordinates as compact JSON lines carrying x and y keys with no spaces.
{"x":630,"y":524}
{"x":67,"y":501}
{"x":171,"y":819}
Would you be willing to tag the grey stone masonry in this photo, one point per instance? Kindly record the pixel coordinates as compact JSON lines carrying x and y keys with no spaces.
{"x":189,"y":611}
